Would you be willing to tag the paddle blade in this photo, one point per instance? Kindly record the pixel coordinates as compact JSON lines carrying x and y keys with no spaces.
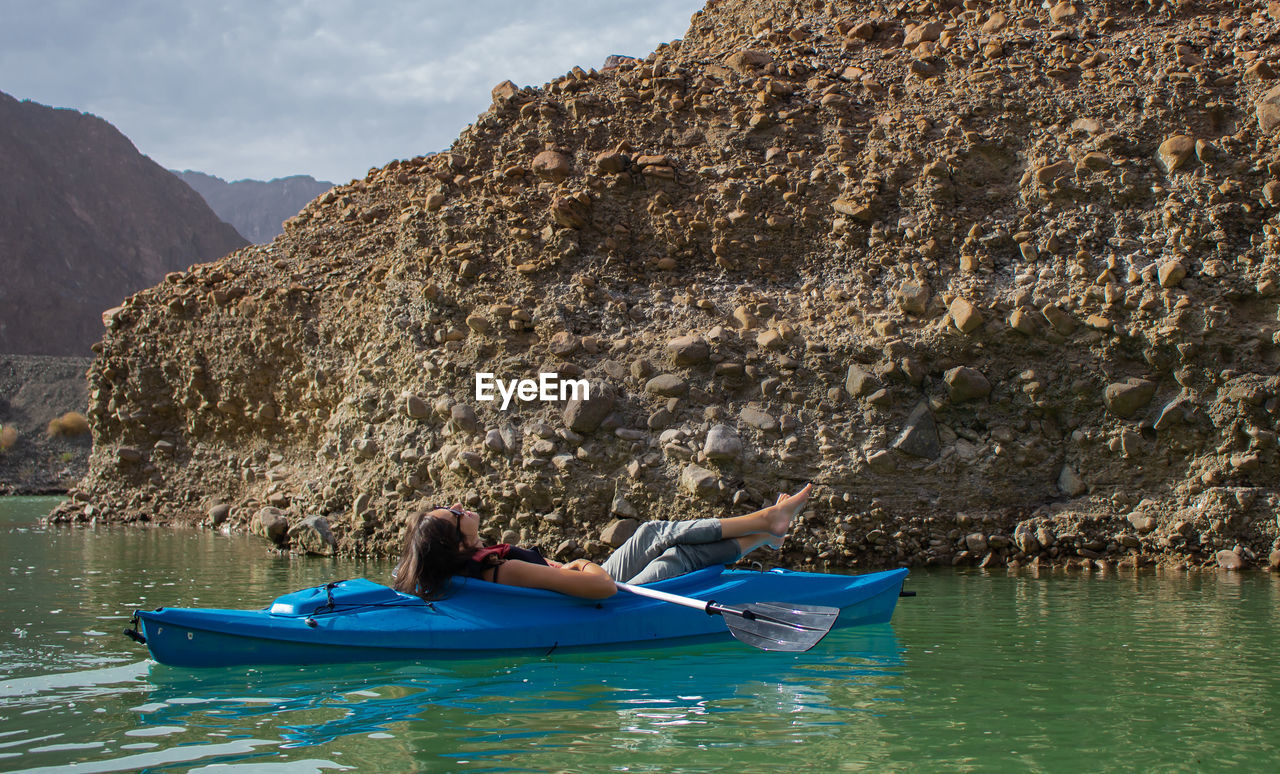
{"x":779,"y":625}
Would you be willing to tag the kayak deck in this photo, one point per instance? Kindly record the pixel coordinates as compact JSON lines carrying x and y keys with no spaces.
{"x":358,"y":620}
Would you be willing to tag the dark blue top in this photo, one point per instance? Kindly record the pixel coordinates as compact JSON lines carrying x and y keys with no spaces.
{"x":492,"y":557}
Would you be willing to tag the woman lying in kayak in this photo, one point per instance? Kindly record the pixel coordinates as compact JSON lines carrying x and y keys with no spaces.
{"x":443,"y":542}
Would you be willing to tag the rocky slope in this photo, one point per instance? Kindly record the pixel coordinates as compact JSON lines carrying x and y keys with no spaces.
{"x":85,"y":220}
{"x":35,"y":391}
{"x":256,"y":208}
{"x":1000,"y":278}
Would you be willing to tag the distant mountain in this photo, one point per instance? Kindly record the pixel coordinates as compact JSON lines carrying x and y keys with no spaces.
{"x":86,"y":220}
{"x":255,"y":208}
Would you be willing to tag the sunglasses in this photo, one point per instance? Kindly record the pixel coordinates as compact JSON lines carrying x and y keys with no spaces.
{"x":457,"y":514}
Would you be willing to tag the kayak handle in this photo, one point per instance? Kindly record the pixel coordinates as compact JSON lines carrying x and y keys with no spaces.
{"x":133,"y":633}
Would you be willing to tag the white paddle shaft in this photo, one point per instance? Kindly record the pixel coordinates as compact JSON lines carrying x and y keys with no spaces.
{"x":696,"y":604}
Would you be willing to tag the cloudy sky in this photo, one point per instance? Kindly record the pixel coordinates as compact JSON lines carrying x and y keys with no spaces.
{"x":267,"y":88}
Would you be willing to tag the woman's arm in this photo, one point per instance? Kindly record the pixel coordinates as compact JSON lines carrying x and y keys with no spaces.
{"x":579,"y":578}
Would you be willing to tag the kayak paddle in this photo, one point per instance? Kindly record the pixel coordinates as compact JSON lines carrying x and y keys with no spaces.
{"x":765,"y":625}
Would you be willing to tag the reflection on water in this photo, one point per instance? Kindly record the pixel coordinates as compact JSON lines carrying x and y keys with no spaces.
{"x":982,"y":671}
{"x":494,"y":710}
{"x":574,"y":711}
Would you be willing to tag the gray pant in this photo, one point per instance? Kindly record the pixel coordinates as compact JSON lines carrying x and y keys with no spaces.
{"x":665,"y":549}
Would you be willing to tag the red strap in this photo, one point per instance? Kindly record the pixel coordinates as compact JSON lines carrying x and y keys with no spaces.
{"x":500,"y":551}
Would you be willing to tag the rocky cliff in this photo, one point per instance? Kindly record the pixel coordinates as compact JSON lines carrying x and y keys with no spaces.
{"x":38,"y":452}
{"x":1000,"y":278}
{"x":256,"y":208}
{"x":85,"y":220}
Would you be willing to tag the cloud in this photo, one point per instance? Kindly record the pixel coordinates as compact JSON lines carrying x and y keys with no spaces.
{"x":328,"y":88}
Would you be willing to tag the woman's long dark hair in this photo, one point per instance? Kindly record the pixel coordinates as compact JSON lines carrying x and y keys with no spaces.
{"x":433,"y":553}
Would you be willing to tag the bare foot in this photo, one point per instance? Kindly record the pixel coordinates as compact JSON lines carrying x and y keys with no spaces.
{"x":774,"y":542}
{"x":782,"y":512}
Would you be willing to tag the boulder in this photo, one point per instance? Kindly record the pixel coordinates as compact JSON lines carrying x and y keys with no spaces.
{"x":415,"y":407}
{"x":1045,"y":536}
{"x":1070,"y":483}
{"x":585,"y":416}
{"x":504,"y":91}
{"x":270,"y":523}
{"x":923,"y":33}
{"x":965,"y":315}
{"x":1175,"y":412}
{"x":1271,"y":192}
{"x":854,"y":209}
{"x":1142,"y":522}
{"x":1023,"y":321}
{"x":722,"y":443}
{"x":882,"y":460}
{"x":858,"y":382}
{"x":1171,"y":273}
{"x":563,"y":344}
{"x":966,"y":384}
{"x":1063,"y":13}
{"x":218,"y":514}
{"x":1230,"y":560}
{"x":1060,"y":321}
{"x":570,"y":211}
{"x":494,"y":441}
{"x":760,"y":420}
{"x":552,"y":165}
{"x":688,"y":350}
{"x":699,"y":482}
{"x":771,"y":340}
{"x":919,"y":437}
{"x":618,"y":531}
{"x":621,"y":506}
{"x":611,"y":163}
{"x":1049,"y":174}
{"x":510,"y":437}
{"x":463,"y":418}
{"x":748,"y":60}
{"x":313,"y":536}
{"x":1124,"y":399}
{"x":1268,"y":111}
{"x":994,"y":23}
{"x":1175,"y":152}
{"x":1025,"y":539}
{"x":667,"y":386}
{"x":912,"y":298}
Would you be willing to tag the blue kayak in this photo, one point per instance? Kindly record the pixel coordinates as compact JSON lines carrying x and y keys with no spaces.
{"x":358,"y":620}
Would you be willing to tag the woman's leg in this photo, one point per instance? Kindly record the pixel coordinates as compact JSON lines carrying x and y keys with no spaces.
{"x":774,"y":520}
{"x":664,"y":549}
{"x":653,"y":538}
{"x":686,"y":558}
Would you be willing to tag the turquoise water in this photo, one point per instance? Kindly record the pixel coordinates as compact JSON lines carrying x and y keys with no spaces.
{"x":980,"y":672}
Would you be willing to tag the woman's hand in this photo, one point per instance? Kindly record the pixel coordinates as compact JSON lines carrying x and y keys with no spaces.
{"x":577,"y":564}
